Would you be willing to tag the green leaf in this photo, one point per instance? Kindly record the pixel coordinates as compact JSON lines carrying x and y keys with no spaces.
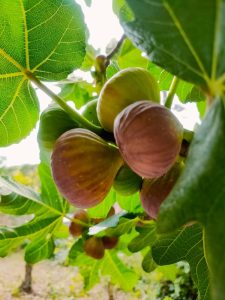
{"x":112,"y":69}
{"x":119,"y":273}
{"x":132,"y":204}
{"x":186,"y":92}
{"x":26,"y":192}
{"x":193,"y":50}
{"x":102,"y":209}
{"x":124,"y":225}
{"x":146,"y":237}
{"x":49,"y":191}
{"x":14,"y":204}
{"x":130,"y":56}
{"x":108,"y":223}
{"x":54,"y":121}
{"x":148,"y":263}
{"x":12,"y":237}
{"x":200,"y":192}
{"x":39,"y":249}
{"x":75,"y":251}
{"x":45,"y":38}
{"x":185,"y":244}
{"x":80,"y":92}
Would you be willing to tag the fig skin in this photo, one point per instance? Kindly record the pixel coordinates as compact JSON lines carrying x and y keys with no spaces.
{"x":127,"y":182}
{"x":84,"y":167}
{"x":94,"y":248}
{"x":149,"y":138}
{"x":110,"y":242}
{"x":155,"y":191}
{"x":124,"y":88}
{"x":76,"y":229}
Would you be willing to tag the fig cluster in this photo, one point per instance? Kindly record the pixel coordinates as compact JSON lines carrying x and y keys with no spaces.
{"x":93,"y":246}
{"x":144,"y":156}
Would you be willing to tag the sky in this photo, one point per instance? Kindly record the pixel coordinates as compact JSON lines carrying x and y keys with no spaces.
{"x":103,"y":26}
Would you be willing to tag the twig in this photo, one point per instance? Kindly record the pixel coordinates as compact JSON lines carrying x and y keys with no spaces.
{"x":172,"y":91}
{"x":116,"y":49}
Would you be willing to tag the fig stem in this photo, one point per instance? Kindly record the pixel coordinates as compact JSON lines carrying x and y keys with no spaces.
{"x":117,"y":48}
{"x":76,"y":221}
{"x":70,"y":111}
{"x":172,"y":91}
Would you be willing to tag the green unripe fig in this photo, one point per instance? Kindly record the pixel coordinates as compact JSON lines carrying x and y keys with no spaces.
{"x":149,"y":138}
{"x":110,"y":242}
{"x":125,"y":87}
{"x":54,"y":121}
{"x":84,"y":167}
{"x":127,"y":182}
{"x":90,"y":112}
{"x":155,"y":191}
{"x":77,"y":229}
{"x":94,"y":247}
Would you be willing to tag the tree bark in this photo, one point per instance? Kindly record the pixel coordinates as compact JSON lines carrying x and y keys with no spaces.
{"x":26,"y":285}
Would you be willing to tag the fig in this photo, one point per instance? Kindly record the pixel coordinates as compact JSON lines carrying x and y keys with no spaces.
{"x":155,"y":191}
{"x":149,"y":138}
{"x":109,"y":242}
{"x":54,"y":121}
{"x":124,"y":88}
{"x":77,"y":229}
{"x":127,"y":182}
{"x":84,"y":167}
{"x":90,"y":112}
{"x":94,"y":247}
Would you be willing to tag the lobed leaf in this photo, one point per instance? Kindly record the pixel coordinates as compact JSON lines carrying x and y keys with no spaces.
{"x":45,"y":38}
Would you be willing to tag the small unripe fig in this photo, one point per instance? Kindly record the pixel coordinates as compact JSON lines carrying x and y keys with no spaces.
{"x":109,"y":242}
{"x":125,"y":87}
{"x":84,"y":167}
{"x":90,"y":112}
{"x":155,"y":191}
{"x":77,"y":229}
{"x":54,"y":121}
{"x":127,"y":182}
{"x":149,"y":138}
{"x":94,"y":247}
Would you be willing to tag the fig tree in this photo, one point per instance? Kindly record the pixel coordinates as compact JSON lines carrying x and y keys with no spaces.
{"x":127,"y":182}
{"x":155,"y":191}
{"x":84,"y":167}
{"x":75,"y":228}
{"x":149,"y":138}
{"x":94,"y":247}
{"x":125,"y":87}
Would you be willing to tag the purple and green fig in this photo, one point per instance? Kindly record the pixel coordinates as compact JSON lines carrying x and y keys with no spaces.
{"x":75,"y":228}
{"x":94,"y":247}
{"x":149,"y":138}
{"x":124,"y":88}
{"x":110,"y":242}
{"x":84,"y":167}
{"x":155,"y":191}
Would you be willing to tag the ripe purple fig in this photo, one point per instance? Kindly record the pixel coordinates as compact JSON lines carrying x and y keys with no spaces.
{"x":94,"y":247}
{"x":125,"y":87}
{"x":149,"y":138}
{"x":109,"y":242}
{"x":77,"y":229}
{"x":84,"y":167}
{"x":155,"y":191}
